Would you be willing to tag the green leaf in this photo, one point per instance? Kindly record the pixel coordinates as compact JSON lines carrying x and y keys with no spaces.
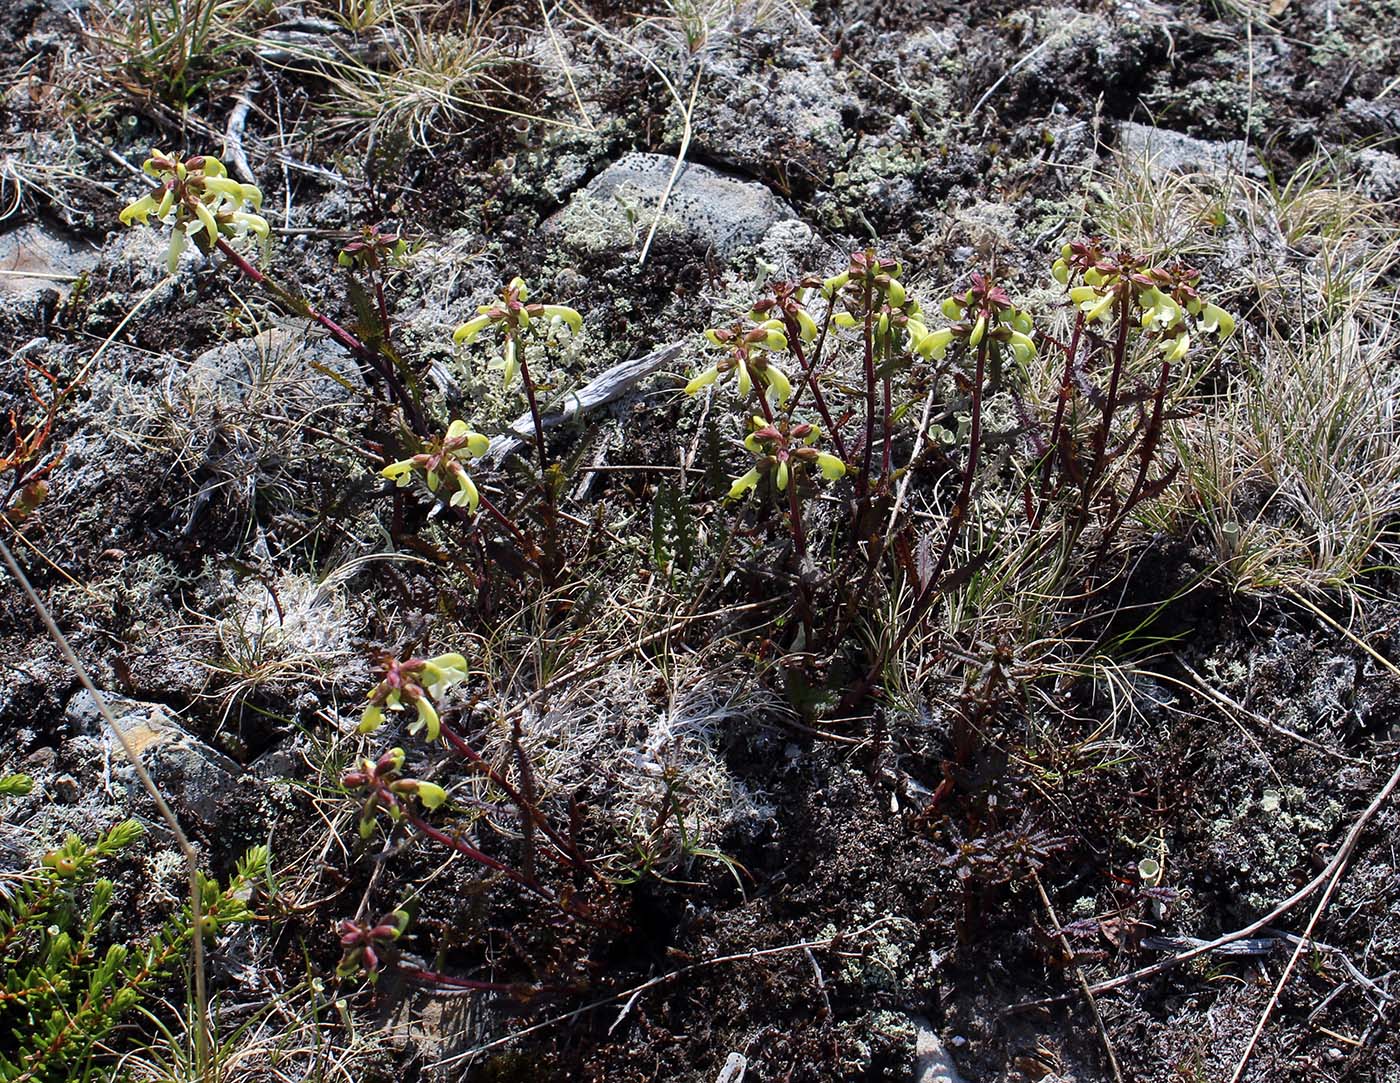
{"x":673,"y":532}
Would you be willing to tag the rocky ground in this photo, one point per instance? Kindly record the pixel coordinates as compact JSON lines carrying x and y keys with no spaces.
{"x":788,"y":891}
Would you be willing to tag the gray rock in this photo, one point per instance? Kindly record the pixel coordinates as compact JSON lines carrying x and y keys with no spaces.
{"x":777,"y":117}
{"x":1173,"y":152}
{"x":706,"y":208}
{"x":197,"y":780}
{"x":34,"y":259}
{"x":285,"y":356}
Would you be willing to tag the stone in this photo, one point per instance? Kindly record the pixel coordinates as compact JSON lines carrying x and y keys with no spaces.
{"x":778,"y":117}
{"x":706,"y":208}
{"x":934,"y":1064}
{"x":34,"y":259}
{"x":197,"y":780}
{"x":1172,"y":152}
{"x":284,"y":356}
{"x":66,"y":789}
{"x":1379,"y":175}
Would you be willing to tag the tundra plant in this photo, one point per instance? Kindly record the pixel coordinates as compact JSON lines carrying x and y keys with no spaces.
{"x":416,"y":683}
{"x":442,"y":464}
{"x":199,"y":201}
{"x":516,"y":321}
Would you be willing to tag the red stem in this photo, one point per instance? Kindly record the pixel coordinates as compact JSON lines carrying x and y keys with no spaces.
{"x":534,"y":405}
{"x":468,"y":850}
{"x":504,"y":520}
{"x":867,"y":454}
{"x":568,"y":854}
{"x":924,"y":599}
{"x":809,"y":376}
{"x":416,"y":420}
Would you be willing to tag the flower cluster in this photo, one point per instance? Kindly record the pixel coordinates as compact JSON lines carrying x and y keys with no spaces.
{"x":984,"y":312}
{"x":199,"y":200}
{"x":867,"y":271}
{"x":781,"y":449}
{"x":898,"y":320}
{"x":372,"y":249}
{"x":895,"y":316}
{"x":417,"y":682}
{"x":514,"y":314}
{"x":1161,"y":297}
{"x":443,"y":463}
{"x":385,"y":789}
{"x":363,"y":943}
{"x":745,"y":347}
{"x":788,"y":303}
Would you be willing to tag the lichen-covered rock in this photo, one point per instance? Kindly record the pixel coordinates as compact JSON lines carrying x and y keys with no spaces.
{"x":1172,"y":152}
{"x":197,"y":780}
{"x":778,"y":117}
{"x":706,"y":208}
{"x":1379,"y":174}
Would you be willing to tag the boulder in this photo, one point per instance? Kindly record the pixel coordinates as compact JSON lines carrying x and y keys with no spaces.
{"x":196,"y":780}
{"x":706,"y":208}
{"x":1172,"y":152}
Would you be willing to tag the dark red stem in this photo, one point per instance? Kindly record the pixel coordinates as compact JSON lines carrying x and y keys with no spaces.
{"x":567,"y":854}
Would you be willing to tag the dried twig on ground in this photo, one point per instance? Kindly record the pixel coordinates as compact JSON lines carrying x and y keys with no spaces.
{"x":1325,"y":876}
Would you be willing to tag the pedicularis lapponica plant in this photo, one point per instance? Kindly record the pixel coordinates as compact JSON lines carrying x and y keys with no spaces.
{"x":1110,"y":410}
{"x":846,"y":394}
{"x":198,"y":200}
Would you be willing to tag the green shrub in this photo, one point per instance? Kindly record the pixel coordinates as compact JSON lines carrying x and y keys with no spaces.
{"x":66,"y":987}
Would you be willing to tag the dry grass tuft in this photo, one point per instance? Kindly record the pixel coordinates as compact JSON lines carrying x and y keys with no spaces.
{"x":1292,"y":462}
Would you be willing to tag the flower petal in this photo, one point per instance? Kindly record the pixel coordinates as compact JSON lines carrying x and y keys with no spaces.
{"x":428,"y":718}
{"x":831,"y":467}
{"x":709,"y":376}
{"x":744,"y":484}
{"x":778,"y":381}
{"x":469,"y":330}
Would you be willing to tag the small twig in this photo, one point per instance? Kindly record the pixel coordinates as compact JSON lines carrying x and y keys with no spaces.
{"x":1009,"y":72}
{"x":1222,"y":700}
{"x":919,"y":438}
{"x":1303,"y":941}
{"x":1382,"y":659}
{"x":564,"y":65}
{"x":608,"y":385}
{"x":1078,"y":976}
{"x":233,"y":133}
{"x":821,"y":981}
